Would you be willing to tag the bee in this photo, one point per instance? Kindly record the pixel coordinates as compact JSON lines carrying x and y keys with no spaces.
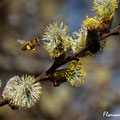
{"x":29,"y":45}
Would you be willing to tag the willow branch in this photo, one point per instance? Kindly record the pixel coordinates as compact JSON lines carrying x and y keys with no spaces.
{"x":47,"y":75}
{"x":115,"y":31}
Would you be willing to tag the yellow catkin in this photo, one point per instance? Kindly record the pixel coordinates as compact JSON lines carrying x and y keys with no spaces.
{"x":91,"y":23}
{"x":56,"y":41}
{"x":74,"y":74}
{"x":79,"y":39}
{"x":105,"y":8}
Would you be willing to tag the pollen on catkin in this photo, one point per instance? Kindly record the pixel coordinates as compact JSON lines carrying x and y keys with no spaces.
{"x":74,"y":74}
{"x":91,"y":23}
{"x":56,"y":40}
{"x":22,"y":92}
{"x":79,"y":39}
{"x":105,"y":8}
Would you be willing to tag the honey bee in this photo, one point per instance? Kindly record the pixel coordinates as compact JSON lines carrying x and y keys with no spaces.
{"x":29,"y":45}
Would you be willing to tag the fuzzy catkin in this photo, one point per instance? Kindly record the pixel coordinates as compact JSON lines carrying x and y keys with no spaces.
{"x":22,"y":92}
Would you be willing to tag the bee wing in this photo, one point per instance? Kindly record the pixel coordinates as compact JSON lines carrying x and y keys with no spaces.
{"x":21,"y":41}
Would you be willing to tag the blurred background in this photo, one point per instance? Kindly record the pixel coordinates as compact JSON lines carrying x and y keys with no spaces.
{"x":27,"y":19}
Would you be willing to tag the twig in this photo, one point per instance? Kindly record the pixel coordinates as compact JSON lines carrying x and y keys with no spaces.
{"x":115,"y":31}
{"x":49,"y":73}
{"x":51,"y":70}
{"x":3,"y":102}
